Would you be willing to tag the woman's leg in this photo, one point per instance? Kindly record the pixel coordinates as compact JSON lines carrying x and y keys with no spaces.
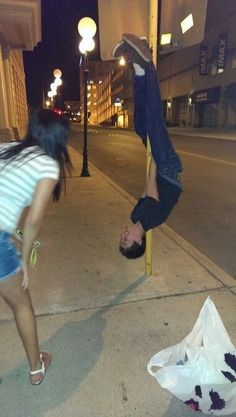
{"x":19,"y":301}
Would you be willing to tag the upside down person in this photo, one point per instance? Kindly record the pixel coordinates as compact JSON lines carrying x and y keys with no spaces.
{"x":163,"y":184}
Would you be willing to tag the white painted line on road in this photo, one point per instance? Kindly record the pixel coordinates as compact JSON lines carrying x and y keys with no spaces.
{"x":208,"y":158}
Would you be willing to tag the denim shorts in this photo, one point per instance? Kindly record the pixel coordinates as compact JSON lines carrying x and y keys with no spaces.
{"x":10,"y":261}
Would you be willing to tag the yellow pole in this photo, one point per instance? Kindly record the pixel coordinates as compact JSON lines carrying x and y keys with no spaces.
{"x":153,"y":27}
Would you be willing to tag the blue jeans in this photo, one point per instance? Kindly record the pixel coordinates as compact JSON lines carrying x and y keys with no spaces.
{"x":149,"y":121}
{"x":10,"y":262}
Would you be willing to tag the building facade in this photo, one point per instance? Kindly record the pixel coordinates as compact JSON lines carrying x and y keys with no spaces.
{"x":20,"y":29}
{"x":109,"y":95}
{"x":198,"y":84}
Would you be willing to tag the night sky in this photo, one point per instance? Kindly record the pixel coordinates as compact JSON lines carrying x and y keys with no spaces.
{"x":58,"y":49}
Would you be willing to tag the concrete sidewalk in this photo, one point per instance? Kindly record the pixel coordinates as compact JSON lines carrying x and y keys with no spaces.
{"x":100,"y":316}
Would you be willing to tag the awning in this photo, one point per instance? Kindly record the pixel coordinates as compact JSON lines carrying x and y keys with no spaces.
{"x":207,"y":95}
{"x":20,"y":23}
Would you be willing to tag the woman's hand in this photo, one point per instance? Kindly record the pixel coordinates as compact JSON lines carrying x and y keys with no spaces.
{"x":25,"y":280}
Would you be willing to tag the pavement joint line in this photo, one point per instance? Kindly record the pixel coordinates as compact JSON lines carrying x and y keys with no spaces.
{"x":108,"y":306}
{"x":199,"y":257}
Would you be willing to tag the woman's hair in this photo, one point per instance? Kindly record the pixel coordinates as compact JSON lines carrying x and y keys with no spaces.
{"x":134,"y":251}
{"x":49,"y":131}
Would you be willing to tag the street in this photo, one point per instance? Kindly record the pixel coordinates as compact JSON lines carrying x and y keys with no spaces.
{"x":205,"y":214}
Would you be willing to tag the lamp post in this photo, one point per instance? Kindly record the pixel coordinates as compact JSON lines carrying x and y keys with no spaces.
{"x":87,"y":29}
{"x":54,"y":86}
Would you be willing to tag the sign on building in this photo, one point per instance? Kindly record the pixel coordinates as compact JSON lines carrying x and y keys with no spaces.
{"x":207,"y":95}
{"x":203,"y":60}
{"x":222,"y":45}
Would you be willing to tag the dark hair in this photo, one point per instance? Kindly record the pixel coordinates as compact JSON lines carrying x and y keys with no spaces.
{"x":135,"y":250}
{"x":49,"y":131}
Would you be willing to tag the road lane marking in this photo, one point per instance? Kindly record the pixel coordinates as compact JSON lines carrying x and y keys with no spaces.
{"x":208,"y":158}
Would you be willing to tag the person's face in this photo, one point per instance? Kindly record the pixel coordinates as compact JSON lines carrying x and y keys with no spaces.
{"x":129,"y":236}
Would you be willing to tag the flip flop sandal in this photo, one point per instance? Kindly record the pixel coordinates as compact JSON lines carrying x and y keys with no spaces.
{"x":41,"y":370}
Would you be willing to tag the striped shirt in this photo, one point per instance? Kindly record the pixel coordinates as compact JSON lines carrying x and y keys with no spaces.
{"x":18,"y":180}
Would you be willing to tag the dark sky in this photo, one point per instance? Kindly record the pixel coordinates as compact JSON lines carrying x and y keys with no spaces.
{"x":58,"y":49}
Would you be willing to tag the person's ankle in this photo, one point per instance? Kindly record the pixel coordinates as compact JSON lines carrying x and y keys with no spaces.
{"x":36,"y":365}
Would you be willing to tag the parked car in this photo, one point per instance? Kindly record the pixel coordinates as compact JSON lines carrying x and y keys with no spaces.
{"x":75,"y":117}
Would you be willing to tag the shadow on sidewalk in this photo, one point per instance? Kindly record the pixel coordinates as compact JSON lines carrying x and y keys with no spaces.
{"x":76,"y":347}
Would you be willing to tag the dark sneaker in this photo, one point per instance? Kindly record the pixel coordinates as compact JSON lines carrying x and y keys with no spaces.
{"x":139,"y":45}
{"x":123,"y":49}
{"x":119,"y":50}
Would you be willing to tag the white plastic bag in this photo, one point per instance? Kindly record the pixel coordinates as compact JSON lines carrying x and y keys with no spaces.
{"x":201,"y":370}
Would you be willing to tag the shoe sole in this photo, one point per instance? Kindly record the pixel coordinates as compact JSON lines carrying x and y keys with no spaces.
{"x":116,"y":48}
{"x":138,"y":49}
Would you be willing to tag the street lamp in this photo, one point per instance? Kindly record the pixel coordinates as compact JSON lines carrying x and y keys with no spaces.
{"x":87,"y":29}
{"x":55,"y":88}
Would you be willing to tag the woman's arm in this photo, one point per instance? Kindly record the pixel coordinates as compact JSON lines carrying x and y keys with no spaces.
{"x":34,"y":219}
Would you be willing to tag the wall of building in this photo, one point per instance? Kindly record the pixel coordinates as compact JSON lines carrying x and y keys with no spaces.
{"x":14,"y":118}
{"x":20,"y":29}
{"x":193,"y":98}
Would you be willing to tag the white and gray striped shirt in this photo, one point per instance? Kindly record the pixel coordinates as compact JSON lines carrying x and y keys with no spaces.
{"x":18,"y":180}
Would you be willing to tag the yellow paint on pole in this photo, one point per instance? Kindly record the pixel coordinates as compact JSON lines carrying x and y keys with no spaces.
{"x":148,"y":252}
{"x":153,"y":30}
{"x":153,"y":27}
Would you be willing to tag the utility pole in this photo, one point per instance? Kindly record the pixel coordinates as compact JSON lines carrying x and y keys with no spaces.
{"x":153,"y":31}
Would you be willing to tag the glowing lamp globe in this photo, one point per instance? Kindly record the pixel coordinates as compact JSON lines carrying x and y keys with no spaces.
{"x":82,"y":46}
{"x":58,"y":82}
{"x":57,"y":73}
{"x":86,"y":45}
{"x":87,"y":27}
{"x":53,"y":86}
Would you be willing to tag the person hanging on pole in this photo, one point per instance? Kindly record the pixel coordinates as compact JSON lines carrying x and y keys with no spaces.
{"x":163,"y":184}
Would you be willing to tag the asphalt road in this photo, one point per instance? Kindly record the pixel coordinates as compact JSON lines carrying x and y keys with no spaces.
{"x":205,"y":215}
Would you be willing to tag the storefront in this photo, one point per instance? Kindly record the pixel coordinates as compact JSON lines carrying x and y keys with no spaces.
{"x":179,"y":111}
{"x":206,"y":106}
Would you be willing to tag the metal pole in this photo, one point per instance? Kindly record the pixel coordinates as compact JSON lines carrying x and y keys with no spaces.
{"x":123,"y":105}
{"x":85,"y":170}
{"x":153,"y":30}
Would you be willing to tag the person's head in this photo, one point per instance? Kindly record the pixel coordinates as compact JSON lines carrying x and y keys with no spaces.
{"x":49,"y":131}
{"x":132,"y":242}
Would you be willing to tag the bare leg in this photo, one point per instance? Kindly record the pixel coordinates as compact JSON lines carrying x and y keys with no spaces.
{"x":19,"y":301}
